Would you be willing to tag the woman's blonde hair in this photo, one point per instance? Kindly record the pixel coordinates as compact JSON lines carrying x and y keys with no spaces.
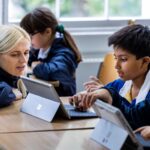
{"x":10,"y":36}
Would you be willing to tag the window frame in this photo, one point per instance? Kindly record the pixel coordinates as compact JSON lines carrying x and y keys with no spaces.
{"x":85,"y":30}
{"x":81,"y":22}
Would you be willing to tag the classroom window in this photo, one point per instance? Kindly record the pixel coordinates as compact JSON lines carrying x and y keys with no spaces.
{"x":74,"y":9}
{"x":124,"y":8}
{"x":81,"y":8}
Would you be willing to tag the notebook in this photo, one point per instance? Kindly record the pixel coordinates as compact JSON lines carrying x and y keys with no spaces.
{"x":43,"y":102}
{"x":113,"y":120}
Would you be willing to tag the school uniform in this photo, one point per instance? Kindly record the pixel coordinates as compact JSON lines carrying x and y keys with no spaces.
{"x":136,"y":110}
{"x":59,"y":63}
{"x":7,"y":82}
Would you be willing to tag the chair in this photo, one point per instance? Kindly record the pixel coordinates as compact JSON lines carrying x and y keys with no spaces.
{"x":107,"y":72}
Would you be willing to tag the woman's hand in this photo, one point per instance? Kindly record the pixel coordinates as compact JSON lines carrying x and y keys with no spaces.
{"x":18,"y":94}
{"x":93,"y":84}
{"x":144,"y":131}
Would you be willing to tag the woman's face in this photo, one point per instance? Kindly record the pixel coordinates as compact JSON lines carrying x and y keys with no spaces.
{"x":15,"y":61}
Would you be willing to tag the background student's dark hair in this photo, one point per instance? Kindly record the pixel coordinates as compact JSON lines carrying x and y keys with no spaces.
{"x":40,"y":19}
{"x":134,"y":38}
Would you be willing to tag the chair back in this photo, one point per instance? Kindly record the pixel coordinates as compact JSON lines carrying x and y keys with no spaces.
{"x":107,"y":72}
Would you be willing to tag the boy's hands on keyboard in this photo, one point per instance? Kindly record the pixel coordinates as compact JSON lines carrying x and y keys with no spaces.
{"x":82,"y":109}
{"x":76,"y":102}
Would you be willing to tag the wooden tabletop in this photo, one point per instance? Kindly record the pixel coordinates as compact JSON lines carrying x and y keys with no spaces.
{"x":52,"y":140}
{"x":20,"y":131}
{"x":12,"y":120}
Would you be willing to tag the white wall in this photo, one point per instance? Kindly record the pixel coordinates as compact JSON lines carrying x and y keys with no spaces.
{"x":86,"y":69}
{"x":93,"y":46}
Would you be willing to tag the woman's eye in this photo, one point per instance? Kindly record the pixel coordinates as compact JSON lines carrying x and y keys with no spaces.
{"x":27,"y":53}
{"x":14,"y":55}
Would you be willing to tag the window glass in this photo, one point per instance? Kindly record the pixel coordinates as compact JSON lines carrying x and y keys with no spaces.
{"x":104,"y":9}
{"x":124,"y":8}
{"x":18,"y":8}
{"x":81,"y":8}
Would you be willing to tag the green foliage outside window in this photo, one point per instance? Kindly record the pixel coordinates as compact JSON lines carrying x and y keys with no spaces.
{"x":79,"y":8}
{"x":124,"y":8}
{"x":82,"y":8}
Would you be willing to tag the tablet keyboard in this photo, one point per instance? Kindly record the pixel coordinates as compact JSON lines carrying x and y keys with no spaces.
{"x":73,"y":113}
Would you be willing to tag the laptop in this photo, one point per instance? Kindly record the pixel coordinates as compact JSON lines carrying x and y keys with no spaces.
{"x":43,"y":102}
{"x":113,"y":127}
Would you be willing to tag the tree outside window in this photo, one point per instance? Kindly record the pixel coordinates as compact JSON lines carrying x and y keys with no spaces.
{"x":78,"y":8}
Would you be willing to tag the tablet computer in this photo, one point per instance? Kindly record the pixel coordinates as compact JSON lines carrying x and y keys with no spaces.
{"x":42,"y":98}
{"x":115,"y":118}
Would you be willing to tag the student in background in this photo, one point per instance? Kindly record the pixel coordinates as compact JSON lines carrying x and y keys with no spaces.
{"x":54,"y":55}
{"x":14,"y":54}
{"x":130,"y":93}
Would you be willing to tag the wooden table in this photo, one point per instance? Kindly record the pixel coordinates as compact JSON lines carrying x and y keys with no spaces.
{"x":19,"y":131}
{"x":52,"y":140}
{"x":12,"y":120}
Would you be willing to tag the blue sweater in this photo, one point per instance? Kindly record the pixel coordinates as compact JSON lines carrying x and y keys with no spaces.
{"x":137,"y":115}
{"x":7,"y":82}
{"x":60,"y":65}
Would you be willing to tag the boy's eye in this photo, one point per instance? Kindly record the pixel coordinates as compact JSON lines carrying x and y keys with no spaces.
{"x":123,"y":59}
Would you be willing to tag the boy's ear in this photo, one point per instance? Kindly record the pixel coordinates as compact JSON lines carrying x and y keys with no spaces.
{"x":146,"y":59}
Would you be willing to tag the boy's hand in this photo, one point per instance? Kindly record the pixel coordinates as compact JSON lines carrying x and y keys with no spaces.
{"x":144,"y":131}
{"x":93,"y":84}
{"x":83,"y":100}
{"x":86,"y":99}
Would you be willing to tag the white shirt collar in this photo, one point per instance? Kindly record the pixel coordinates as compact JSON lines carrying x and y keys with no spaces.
{"x":143,"y":91}
{"x":43,"y":53}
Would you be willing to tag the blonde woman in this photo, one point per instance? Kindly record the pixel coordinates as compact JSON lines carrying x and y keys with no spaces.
{"x":14,"y":54}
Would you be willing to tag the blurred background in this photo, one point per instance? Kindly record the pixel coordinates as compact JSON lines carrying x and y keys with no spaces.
{"x":90,"y":22}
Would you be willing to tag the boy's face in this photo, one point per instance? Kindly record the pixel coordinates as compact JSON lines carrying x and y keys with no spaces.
{"x":127,"y":66}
